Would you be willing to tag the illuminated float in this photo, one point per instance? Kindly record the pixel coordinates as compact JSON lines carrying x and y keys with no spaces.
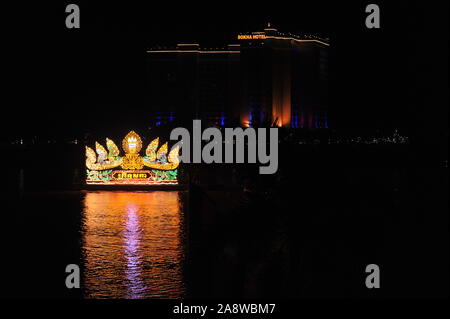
{"x":108,"y":167}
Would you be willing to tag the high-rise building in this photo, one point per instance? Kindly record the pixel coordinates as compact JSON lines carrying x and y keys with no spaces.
{"x":267,"y":78}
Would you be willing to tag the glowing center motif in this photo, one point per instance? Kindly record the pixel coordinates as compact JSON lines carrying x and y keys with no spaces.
{"x":132,"y":144}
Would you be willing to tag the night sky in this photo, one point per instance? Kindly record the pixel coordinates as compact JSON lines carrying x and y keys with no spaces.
{"x":63,"y":83}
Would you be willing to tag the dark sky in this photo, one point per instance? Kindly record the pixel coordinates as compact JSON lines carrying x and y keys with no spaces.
{"x":66,"y":82}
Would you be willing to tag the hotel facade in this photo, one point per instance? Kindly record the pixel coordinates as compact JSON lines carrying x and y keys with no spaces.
{"x":265,"y":78}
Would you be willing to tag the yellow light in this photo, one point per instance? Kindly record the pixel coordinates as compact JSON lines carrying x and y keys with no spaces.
{"x":132,"y":143}
{"x":151,"y":149}
{"x":251,"y":36}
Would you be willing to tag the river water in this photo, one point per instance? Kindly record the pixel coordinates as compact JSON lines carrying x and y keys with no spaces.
{"x":133,"y":244}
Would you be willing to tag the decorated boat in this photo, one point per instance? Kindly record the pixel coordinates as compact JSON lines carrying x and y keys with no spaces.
{"x":109,"y":166}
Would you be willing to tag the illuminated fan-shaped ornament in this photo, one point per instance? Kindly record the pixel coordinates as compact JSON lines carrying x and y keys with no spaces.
{"x":132,"y":143}
{"x":90,"y":155}
{"x":102,"y":154}
{"x":100,"y":149}
{"x":173,"y":159}
{"x":162,"y":151}
{"x":112,"y":148}
{"x":174,"y":156}
{"x":102,"y":164}
{"x":151,"y":149}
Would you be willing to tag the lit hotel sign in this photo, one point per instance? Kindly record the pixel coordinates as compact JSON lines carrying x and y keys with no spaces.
{"x":107,"y":166}
{"x":251,"y":36}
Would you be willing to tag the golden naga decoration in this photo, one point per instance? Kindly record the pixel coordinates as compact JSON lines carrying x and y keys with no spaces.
{"x":162,"y":151}
{"x":151,"y":149}
{"x":132,"y":145}
{"x":100,"y":150}
{"x":94,"y":165}
{"x":112,"y":148}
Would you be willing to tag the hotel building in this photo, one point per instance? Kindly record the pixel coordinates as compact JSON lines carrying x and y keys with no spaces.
{"x":265,"y":78}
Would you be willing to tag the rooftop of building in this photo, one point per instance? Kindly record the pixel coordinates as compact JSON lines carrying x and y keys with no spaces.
{"x":269,"y":33}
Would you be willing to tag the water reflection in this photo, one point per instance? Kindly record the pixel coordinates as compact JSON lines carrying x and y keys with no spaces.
{"x":133,"y":245}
